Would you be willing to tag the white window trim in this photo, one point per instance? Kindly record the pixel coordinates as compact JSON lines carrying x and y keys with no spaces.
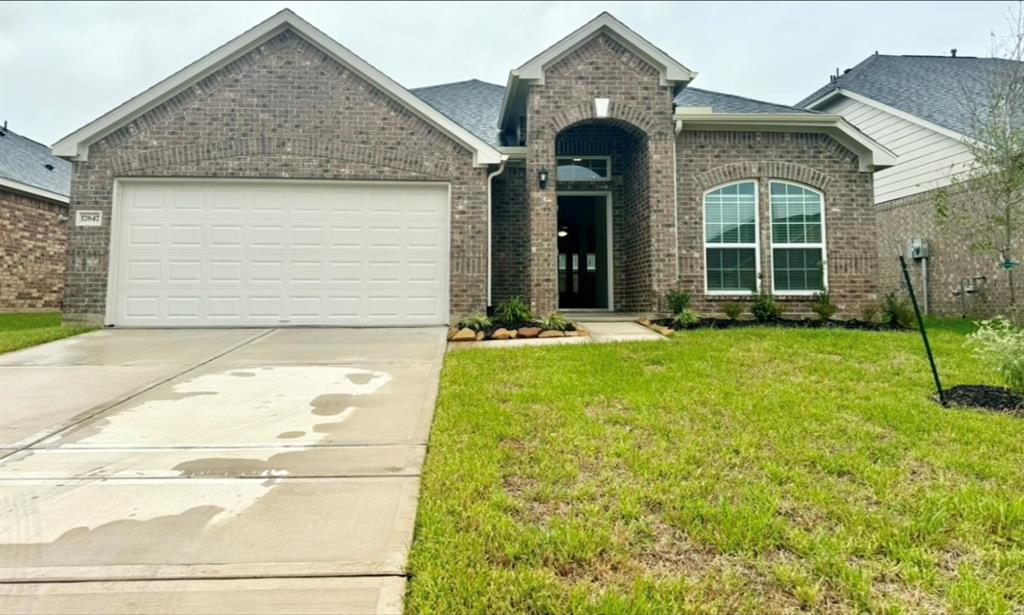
{"x":822,"y":245}
{"x":757,"y":240}
{"x":608,"y":165}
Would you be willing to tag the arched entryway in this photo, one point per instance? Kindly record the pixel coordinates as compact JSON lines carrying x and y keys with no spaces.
{"x":602,"y":184}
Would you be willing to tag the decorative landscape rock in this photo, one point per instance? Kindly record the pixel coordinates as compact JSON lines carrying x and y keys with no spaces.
{"x":528,"y":332}
{"x":464,"y":335}
{"x":501,"y":334}
{"x":552,"y":334}
{"x":480,"y":335}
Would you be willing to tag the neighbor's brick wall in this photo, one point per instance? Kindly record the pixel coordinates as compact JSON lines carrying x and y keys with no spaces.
{"x":951,"y":258}
{"x":284,"y":110}
{"x":33,"y":247}
{"x":707,"y":159}
{"x":602,"y":68}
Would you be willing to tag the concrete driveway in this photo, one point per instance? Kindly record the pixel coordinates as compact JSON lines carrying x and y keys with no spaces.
{"x":219,"y":471}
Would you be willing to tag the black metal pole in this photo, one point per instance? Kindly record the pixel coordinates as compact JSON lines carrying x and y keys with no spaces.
{"x":924,"y":334}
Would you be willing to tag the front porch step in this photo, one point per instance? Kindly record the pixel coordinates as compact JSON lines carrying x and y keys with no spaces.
{"x":605,"y":316}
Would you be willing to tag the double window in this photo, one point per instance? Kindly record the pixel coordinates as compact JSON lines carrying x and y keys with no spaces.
{"x":732,"y":244}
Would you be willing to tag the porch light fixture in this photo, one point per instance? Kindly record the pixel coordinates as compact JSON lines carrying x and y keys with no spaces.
{"x":542,"y":178}
{"x":563,"y":231}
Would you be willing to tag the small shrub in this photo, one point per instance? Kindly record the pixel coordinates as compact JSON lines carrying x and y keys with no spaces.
{"x":733,"y":309}
{"x":554,"y":322}
{"x":823,"y":306}
{"x":765,"y":309}
{"x":1001,"y":344}
{"x":686,"y":319}
{"x":513,"y":311}
{"x":897,"y":312}
{"x":869,"y":313}
{"x":678,"y":301}
{"x":476,"y":322}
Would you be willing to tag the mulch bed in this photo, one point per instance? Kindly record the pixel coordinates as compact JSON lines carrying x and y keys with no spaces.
{"x":997,"y":399}
{"x":807,"y":323}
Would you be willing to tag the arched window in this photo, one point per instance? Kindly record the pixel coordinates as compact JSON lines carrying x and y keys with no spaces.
{"x":731,"y":260}
{"x":798,"y":239}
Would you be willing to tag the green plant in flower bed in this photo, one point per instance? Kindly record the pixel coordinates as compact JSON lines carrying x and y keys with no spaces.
{"x":554,"y":322}
{"x":823,"y":306}
{"x":765,"y":309}
{"x":678,"y":301}
{"x":1000,"y":344}
{"x":897,"y":312}
{"x":513,"y":312}
{"x":476,"y":322}
{"x":733,"y":309}
{"x":686,"y":319}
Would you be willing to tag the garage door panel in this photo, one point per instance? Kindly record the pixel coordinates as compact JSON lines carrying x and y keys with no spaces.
{"x":255,"y":254}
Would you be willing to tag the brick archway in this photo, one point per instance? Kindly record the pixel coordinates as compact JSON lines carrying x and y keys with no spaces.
{"x":770,"y":169}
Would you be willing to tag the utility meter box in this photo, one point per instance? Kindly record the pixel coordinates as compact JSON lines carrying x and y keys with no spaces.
{"x":918,"y":249}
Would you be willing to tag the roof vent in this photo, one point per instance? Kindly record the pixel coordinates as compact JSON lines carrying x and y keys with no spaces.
{"x":952,"y":53}
{"x":3,"y":131}
{"x":49,"y":167}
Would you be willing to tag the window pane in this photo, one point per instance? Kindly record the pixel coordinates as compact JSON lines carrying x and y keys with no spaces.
{"x":797,"y":269}
{"x":730,"y":213}
{"x":796,"y":214}
{"x":731,"y":269}
{"x":582,"y":169}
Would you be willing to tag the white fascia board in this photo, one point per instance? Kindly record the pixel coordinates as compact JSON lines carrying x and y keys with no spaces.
{"x":16,"y":186}
{"x":76,"y":145}
{"x":873,"y":155}
{"x":670,"y":70}
{"x":910,"y":117}
{"x":513,"y":152}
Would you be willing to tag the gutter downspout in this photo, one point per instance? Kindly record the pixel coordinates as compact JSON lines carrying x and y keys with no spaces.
{"x":491,"y":176}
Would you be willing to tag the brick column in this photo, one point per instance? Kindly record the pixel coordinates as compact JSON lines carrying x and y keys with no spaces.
{"x":543,"y":225}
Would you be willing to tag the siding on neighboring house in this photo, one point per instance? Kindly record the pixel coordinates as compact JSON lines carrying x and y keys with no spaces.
{"x":927,"y":159}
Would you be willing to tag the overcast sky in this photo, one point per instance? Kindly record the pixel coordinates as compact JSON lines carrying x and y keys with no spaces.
{"x":64,"y":64}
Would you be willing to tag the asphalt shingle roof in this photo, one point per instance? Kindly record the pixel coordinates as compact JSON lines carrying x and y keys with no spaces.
{"x":472,"y":104}
{"x":933,"y":88}
{"x":25,"y":161}
{"x":475,"y":104}
{"x":729,"y":103}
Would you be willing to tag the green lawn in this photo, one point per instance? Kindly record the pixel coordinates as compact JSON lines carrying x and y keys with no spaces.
{"x":19,"y":331}
{"x":741,"y":471}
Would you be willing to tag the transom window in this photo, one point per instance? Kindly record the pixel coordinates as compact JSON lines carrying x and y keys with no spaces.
{"x":583,"y":168}
{"x":798,"y":239}
{"x":730,"y":238}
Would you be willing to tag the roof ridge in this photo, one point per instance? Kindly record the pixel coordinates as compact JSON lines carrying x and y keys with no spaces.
{"x":471,"y":80}
{"x":757,"y":100}
{"x":30,"y":139}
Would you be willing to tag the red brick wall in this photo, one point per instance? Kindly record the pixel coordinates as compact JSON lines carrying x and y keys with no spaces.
{"x":33,"y":247}
{"x":951,"y":258}
{"x":284,"y":110}
{"x":707,"y":159}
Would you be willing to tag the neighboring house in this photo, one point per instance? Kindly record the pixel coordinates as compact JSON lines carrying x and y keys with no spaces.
{"x":34,"y":189}
{"x":282,"y":180}
{"x":920,"y":108}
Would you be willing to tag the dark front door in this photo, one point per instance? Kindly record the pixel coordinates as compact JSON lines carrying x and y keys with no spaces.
{"x":582,"y":252}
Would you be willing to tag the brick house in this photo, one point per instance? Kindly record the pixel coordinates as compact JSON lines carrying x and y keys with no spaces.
{"x":282,"y":180}
{"x":920,"y":108}
{"x":34,"y":189}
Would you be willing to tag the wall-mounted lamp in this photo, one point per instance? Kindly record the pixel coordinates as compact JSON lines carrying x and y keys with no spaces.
{"x":542,"y":178}
{"x":563,"y":231}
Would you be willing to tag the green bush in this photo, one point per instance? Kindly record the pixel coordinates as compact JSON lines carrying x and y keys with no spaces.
{"x":678,"y":301}
{"x":1001,"y":344}
{"x":869,"y":313}
{"x":733,"y":309}
{"x":687,"y":318}
{"x":765,"y":309}
{"x":513,"y":311}
{"x":897,"y":312}
{"x":476,"y":322}
{"x":554,"y":322}
{"x":823,"y":306}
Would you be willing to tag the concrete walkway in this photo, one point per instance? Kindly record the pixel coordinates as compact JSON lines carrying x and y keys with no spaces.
{"x":605,"y":331}
{"x":244,"y":471}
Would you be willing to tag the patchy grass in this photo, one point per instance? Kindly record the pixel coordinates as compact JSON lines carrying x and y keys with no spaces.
{"x":19,"y":331}
{"x":742,"y":471}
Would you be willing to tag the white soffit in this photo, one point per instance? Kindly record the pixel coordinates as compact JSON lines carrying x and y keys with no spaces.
{"x":76,"y":144}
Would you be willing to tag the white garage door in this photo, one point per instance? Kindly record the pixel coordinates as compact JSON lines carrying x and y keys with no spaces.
{"x":274,"y":253}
